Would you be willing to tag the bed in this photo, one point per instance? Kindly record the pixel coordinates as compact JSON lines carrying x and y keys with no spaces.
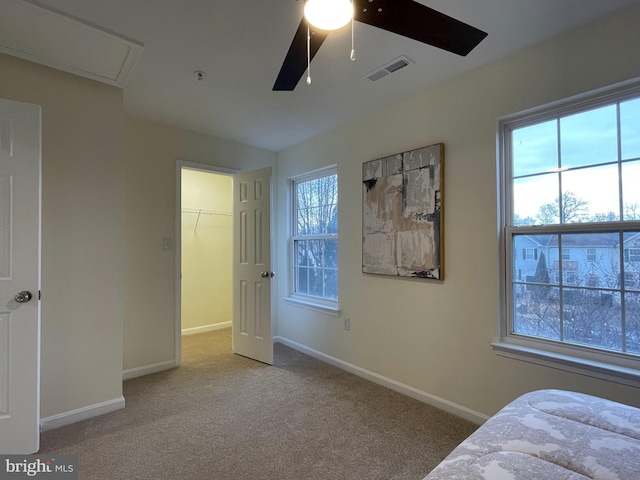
{"x":550,"y":435}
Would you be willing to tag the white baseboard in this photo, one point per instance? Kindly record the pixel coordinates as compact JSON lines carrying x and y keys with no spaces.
{"x":424,"y":397}
{"x":148,"y":369}
{"x":84,"y":413}
{"x":206,"y":328}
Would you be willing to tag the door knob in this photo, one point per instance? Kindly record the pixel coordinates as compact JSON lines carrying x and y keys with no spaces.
{"x":23,"y":297}
{"x":267,"y":274}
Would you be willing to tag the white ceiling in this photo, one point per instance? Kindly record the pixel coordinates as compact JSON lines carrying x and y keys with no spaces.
{"x":240,"y":45}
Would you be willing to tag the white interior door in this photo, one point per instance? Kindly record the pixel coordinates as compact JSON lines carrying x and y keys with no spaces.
{"x":19,"y":277}
{"x":252,"y":265}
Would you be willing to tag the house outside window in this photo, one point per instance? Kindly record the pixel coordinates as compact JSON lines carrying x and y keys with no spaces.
{"x":314,"y":239}
{"x":569,"y":174}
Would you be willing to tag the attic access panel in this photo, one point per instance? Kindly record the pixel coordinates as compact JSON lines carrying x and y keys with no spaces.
{"x":53,"y":38}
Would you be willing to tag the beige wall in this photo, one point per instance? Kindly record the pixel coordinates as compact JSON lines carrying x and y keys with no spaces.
{"x":151,"y":151}
{"x":436,"y":337}
{"x":206,"y":249}
{"x":81,"y":233}
{"x":109,"y":198}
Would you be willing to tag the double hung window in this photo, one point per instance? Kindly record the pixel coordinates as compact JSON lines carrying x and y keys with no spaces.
{"x":314,"y":238}
{"x":570,"y":184}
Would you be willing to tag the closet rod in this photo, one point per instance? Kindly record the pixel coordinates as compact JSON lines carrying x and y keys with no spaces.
{"x":204,"y":211}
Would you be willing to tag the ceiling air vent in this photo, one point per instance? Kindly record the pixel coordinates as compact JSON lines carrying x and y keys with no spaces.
{"x":391,"y":67}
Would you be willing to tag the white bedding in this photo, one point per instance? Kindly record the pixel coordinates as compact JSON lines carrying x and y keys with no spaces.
{"x":550,"y":435}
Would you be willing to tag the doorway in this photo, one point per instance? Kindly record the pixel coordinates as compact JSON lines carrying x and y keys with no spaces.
{"x":204,"y":251}
{"x":250,"y":257}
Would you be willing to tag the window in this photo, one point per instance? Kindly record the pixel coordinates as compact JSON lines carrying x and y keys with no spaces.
{"x":314,"y":239}
{"x":592,"y":281}
{"x":632,"y":255}
{"x":569,"y":175}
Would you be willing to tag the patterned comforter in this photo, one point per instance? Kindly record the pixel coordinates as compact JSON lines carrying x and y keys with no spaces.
{"x":550,"y":435}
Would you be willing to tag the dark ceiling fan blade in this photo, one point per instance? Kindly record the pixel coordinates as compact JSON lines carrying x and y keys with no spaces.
{"x":295,"y":63}
{"x":419,"y":22}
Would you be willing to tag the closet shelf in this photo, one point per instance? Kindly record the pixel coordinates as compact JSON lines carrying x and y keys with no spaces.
{"x":204,"y":211}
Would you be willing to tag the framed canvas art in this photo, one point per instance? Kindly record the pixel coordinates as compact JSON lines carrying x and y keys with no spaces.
{"x":402,"y":214}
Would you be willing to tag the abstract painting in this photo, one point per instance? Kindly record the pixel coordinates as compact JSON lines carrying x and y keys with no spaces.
{"x":402,"y":200}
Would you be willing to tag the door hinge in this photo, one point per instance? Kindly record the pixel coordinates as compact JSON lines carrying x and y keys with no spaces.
{"x":39,"y":294}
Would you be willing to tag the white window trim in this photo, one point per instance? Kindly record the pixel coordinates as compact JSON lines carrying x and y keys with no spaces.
{"x":318,"y":304}
{"x":598,"y":368}
{"x":606,"y":365}
{"x":314,"y":303}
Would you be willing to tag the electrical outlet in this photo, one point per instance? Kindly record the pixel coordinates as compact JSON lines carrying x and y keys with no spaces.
{"x":347,"y":324}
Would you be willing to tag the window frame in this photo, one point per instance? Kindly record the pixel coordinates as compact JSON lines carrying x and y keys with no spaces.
{"x":320,"y":304}
{"x":608,"y":365}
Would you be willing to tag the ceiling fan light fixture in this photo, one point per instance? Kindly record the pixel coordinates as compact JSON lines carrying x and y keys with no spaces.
{"x":328,"y":14}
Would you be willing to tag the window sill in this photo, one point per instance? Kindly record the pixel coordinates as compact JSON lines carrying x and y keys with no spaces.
{"x":569,"y":363}
{"x":315,"y":306}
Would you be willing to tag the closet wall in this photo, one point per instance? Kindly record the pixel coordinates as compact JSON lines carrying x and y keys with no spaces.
{"x":206,"y":251}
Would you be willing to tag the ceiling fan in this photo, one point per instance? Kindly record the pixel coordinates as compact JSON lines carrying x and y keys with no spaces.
{"x":403,"y":17}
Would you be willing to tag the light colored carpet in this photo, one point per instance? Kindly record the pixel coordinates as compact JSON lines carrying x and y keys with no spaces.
{"x":222,"y":416}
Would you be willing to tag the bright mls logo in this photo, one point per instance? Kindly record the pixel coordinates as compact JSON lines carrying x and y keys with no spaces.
{"x":57,"y":467}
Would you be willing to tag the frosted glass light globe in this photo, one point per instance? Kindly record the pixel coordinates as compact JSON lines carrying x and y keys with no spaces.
{"x":328,"y":14}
